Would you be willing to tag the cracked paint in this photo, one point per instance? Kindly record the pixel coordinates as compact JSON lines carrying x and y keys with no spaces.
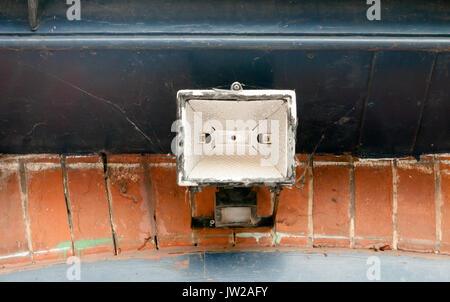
{"x":80,"y":245}
{"x":256,"y":236}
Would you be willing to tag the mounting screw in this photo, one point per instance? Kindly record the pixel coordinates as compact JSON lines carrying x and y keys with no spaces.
{"x":212,"y":222}
{"x":236,"y":86}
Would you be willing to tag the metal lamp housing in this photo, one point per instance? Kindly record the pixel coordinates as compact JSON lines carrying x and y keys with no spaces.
{"x":236,"y":137}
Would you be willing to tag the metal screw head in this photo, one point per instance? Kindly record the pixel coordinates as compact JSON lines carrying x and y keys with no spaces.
{"x":212,"y":222}
{"x":236,"y":86}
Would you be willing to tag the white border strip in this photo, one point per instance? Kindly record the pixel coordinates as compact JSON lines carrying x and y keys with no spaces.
{"x":35,"y":167}
{"x":74,"y":166}
{"x":16,"y":255}
{"x":332,"y":163}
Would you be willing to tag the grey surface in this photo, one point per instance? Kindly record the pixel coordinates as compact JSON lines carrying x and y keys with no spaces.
{"x":249,"y":266}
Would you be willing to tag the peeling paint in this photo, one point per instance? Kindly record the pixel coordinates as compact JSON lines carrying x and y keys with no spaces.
{"x":420,"y":167}
{"x":36,"y":167}
{"x":331,"y":163}
{"x":4,"y":175}
{"x":80,"y":245}
{"x":164,"y":165}
{"x":124,"y":174}
{"x":9,"y":166}
{"x":85,"y":166}
{"x":445,"y":171}
{"x":373,"y":163}
{"x":63,"y":247}
{"x":124,"y":165}
{"x":256,"y":236}
{"x":278,"y":236}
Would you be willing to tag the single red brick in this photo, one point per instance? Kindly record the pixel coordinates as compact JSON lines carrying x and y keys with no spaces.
{"x":373,"y":204}
{"x":88,"y":201}
{"x":132,"y":202}
{"x":214,"y":237}
{"x":254,"y":237}
{"x":445,"y":205}
{"x":416,"y":216}
{"x":331,"y":206}
{"x":50,"y":233}
{"x":173,"y":209}
{"x":156,"y":159}
{"x":14,"y":244}
{"x":292,"y":214}
{"x":424,"y":157}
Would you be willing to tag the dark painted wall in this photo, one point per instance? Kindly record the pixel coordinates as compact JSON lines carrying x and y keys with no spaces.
{"x":89,"y":90}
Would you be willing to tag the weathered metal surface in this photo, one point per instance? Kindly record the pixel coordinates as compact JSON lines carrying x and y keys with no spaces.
{"x":108,"y":82}
{"x":396,"y":96}
{"x":403,"y":17}
{"x":434,"y":131}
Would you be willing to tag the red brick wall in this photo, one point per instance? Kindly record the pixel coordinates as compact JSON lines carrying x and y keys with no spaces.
{"x":52,"y":207}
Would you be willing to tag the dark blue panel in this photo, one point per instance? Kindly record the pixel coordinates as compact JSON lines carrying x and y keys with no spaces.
{"x":90,"y":101}
{"x":434,"y":133}
{"x":108,"y":82}
{"x":219,"y":68}
{"x":396,"y":97}
{"x":83,"y":102}
{"x":330,"y":87}
{"x":412,"y":17}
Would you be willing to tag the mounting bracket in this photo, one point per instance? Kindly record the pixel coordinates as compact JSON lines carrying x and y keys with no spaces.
{"x":234,"y":207}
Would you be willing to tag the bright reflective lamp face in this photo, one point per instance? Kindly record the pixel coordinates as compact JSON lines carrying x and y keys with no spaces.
{"x":238,"y":138}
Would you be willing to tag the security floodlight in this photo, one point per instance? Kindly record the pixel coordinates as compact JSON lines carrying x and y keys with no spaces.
{"x":233,"y":139}
{"x":236,"y":137}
